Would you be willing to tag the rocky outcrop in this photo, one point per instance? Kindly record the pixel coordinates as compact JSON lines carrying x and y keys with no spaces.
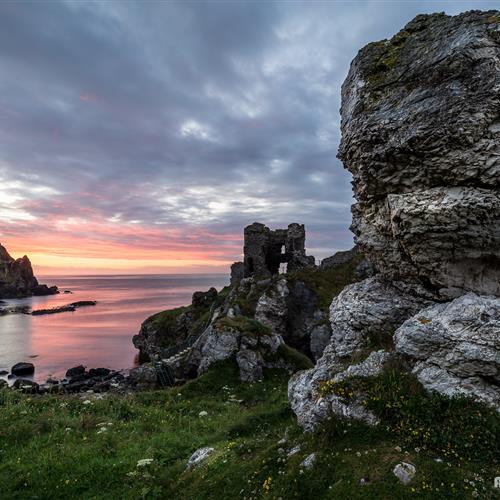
{"x":420,"y":125}
{"x":65,"y":308}
{"x":366,"y":314}
{"x":272,"y":309}
{"x":253,"y":346}
{"x":161,"y":331}
{"x":339,"y":258}
{"x":363,"y":318}
{"x":313,"y":403}
{"x":454,"y":348}
{"x":420,"y":130}
{"x":17,"y":279}
{"x":167,"y":332}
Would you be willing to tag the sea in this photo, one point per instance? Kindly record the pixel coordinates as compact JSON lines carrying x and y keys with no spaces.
{"x":95,"y":336}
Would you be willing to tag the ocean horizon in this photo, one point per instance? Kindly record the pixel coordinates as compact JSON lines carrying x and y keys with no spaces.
{"x":96,"y":336}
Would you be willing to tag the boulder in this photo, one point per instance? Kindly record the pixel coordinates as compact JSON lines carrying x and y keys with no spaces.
{"x":217,"y":344}
{"x":405,"y":472}
{"x":198,"y":457}
{"x":144,"y":376}
{"x":454,"y":348}
{"x":20,"y":369}
{"x":75,"y":371}
{"x":364,"y":316}
{"x":368,"y":312}
{"x":313,"y":406}
{"x":250,"y":363}
{"x":99,"y":372}
{"x":420,"y":135}
{"x":26,"y":386}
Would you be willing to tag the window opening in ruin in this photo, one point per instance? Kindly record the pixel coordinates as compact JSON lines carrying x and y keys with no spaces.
{"x":283,"y":250}
{"x":283,"y":267}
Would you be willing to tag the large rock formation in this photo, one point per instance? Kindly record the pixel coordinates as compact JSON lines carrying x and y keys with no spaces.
{"x":363,"y":317}
{"x":17,"y":279}
{"x":420,"y":135}
{"x":420,"y":125}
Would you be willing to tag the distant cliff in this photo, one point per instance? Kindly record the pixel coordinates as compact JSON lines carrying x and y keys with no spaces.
{"x":17,"y":279}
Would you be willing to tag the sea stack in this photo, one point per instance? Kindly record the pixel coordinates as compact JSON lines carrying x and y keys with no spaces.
{"x":17,"y":279}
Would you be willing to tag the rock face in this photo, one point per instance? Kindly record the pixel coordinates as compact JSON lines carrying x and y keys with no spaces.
{"x":420,"y":130}
{"x":312,"y":405}
{"x":339,"y":258}
{"x":420,"y":135}
{"x":367,"y":313}
{"x":17,"y":279}
{"x":364,"y":316}
{"x":454,"y":348}
{"x":253,"y":345}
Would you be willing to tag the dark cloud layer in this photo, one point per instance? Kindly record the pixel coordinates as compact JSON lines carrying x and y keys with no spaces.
{"x":182,"y":116}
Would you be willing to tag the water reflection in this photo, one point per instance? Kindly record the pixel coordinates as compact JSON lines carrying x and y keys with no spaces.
{"x":93,"y":336}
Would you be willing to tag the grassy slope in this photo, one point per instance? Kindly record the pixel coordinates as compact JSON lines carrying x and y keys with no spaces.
{"x":50,"y":448}
{"x":327,"y":283}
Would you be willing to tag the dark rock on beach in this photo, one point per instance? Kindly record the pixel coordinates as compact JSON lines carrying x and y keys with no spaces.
{"x":75,"y":371}
{"x":99,"y":372}
{"x":26,"y":386}
{"x":20,"y":369}
{"x":66,"y":308}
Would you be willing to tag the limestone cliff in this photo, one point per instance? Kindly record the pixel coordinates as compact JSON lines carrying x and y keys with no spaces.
{"x":420,"y":135}
{"x":17,"y":279}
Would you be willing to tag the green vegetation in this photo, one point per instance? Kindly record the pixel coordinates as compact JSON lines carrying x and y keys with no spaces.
{"x":242,"y":324}
{"x":327,"y":283}
{"x":295,"y":358}
{"x":64,"y":447}
{"x":166,"y":320}
{"x":464,"y":429}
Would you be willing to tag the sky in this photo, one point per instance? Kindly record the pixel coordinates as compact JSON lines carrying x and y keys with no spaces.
{"x":141,"y":137}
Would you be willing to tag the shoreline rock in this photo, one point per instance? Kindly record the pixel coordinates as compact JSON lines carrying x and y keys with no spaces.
{"x":66,"y":308}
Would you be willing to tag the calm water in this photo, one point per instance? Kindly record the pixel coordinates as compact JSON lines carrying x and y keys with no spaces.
{"x":94,"y":336}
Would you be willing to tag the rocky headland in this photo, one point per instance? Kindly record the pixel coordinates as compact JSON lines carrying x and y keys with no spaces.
{"x":420,"y":114}
{"x":17,"y":279}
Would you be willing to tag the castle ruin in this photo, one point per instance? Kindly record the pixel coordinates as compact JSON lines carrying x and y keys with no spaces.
{"x":265,"y":250}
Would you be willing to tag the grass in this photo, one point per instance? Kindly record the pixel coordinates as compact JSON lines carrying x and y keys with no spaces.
{"x":327,"y":283}
{"x":54,"y":447}
{"x":246,"y":325}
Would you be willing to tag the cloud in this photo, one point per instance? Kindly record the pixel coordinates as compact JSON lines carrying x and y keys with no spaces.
{"x":168,"y":126}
